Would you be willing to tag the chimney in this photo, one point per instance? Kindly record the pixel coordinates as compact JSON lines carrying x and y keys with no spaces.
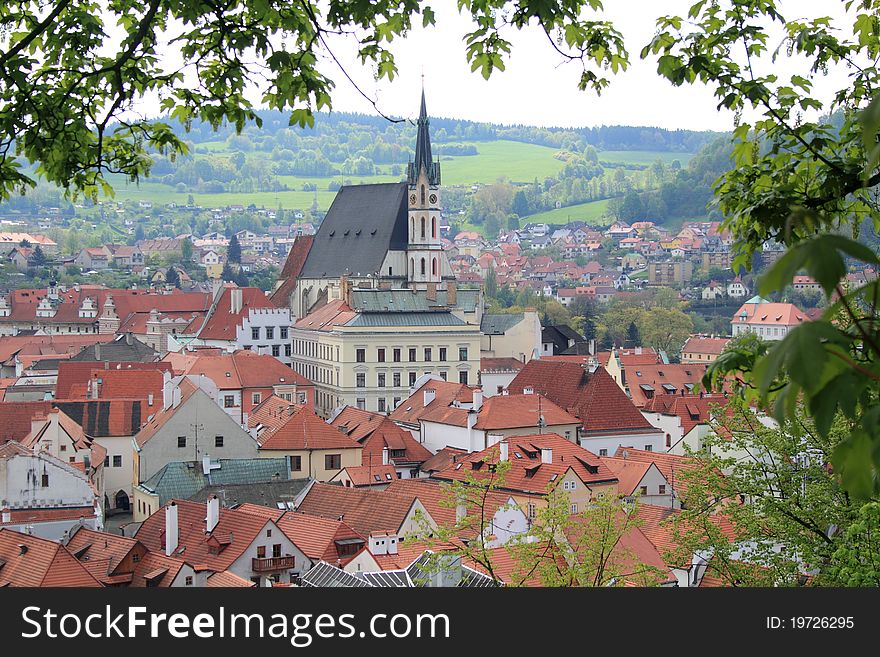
{"x":430,"y":394}
{"x":505,"y":450}
{"x":235,"y":300}
{"x":175,"y":402}
{"x":431,"y":292}
{"x":546,"y":455}
{"x":478,"y":399}
{"x":167,"y":388}
{"x":451,"y":293}
{"x":150,"y":399}
{"x":5,"y":516}
{"x":171,"y":535}
{"x":385,"y":459}
{"x":97,"y":351}
{"x":392,"y":544}
{"x":213,"y":516}
{"x":528,"y":390}
{"x":625,"y":455}
{"x":460,"y":508}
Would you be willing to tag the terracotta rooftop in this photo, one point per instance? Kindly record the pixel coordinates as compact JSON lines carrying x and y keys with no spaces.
{"x":286,"y":426}
{"x":221,"y":323}
{"x":670,"y":465}
{"x":244,"y":369}
{"x":29,"y":561}
{"x":594,"y":398}
{"x":700,"y":344}
{"x":445,"y":393}
{"x":363,"y":509}
{"x":74,"y":376}
{"x":528,"y":473}
{"x":647,"y":381}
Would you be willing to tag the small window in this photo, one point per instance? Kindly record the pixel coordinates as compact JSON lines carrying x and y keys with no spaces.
{"x":361,"y":403}
{"x":255,"y":333}
{"x":661,"y":489}
{"x":574,"y":508}
{"x":45,"y":480}
{"x":117,"y":461}
{"x":63,"y":448}
{"x":643,"y":490}
{"x":427,"y":354}
{"x":287,"y":350}
{"x":412,"y":379}
{"x":462,"y":353}
{"x":268,"y":533}
{"x":531,"y":510}
{"x":276,"y":350}
{"x":380,"y":355}
{"x":412,"y":355}
{"x":261,"y":552}
{"x":444,"y":374}
{"x":361,"y":355}
{"x":442,"y":354}
{"x":381,"y":405}
{"x":332,"y":461}
{"x":181,"y":441}
{"x":228,"y":401}
{"x":295,"y":463}
{"x":396,"y":355}
{"x":463,"y":377}
{"x":218,"y":441}
{"x":380,"y":379}
{"x":361,"y":379}
{"x":256,"y":398}
{"x":270,"y":332}
{"x":396,"y":379}
{"x":283,"y":331}
{"x":649,"y":448}
{"x":189,"y":580}
{"x":603,"y":452}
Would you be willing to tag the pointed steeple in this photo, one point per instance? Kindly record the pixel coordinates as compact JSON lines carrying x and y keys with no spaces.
{"x":423,"y":150}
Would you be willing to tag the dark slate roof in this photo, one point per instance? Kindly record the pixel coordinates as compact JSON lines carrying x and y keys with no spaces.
{"x":267,"y":493}
{"x":407,"y":319}
{"x":379,"y":300}
{"x":499,"y":324}
{"x":186,"y":479}
{"x":125,"y":349}
{"x":578,"y":349}
{"x":362,"y":225}
{"x":563,"y":330}
{"x":423,"y":150}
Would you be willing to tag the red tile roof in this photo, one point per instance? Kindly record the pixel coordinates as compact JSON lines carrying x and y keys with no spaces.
{"x":221,"y":324}
{"x":445,"y":393}
{"x":500,"y":365}
{"x":693,"y":410}
{"x":314,"y":535}
{"x":226,"y":579}
{"x":108,"y":417}
{"x":29,"y":561}
{"x":39,"y":347}
{"x":245,"y":369}
{"x":773,"y":314}
{"x":235,"y":531}
{"x":16,"y":417}
{"x":287,"y":426}
{"x":374,"y":474}
{"x":595,"y":399}
{"x":160,"y":569}
{"x":515,"y":411}
{"x":670,"y":465}
{"x":327,"y":317}
{"x":363,"y":509}
{"x":645,"y":381}
{"x":527,"y":473}
{"x":700,"y":344}
{"x":290,"y":272}
{"x":73,"y":376}
{"x":357,"y":423}
{"x":389,"y":435}
{"x":629,"y":473}
{"x":443,"y":459}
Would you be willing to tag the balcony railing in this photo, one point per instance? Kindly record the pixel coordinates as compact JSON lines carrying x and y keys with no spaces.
{"x":272,"y":563}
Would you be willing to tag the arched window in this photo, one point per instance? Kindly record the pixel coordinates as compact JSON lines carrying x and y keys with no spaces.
{"x":412,"y":266}
{"x":412,"y":228}
{"x":423,"y":266}
{"x":423,"y":228}
{"x":434,"y":227}
{"x":434,"y":267}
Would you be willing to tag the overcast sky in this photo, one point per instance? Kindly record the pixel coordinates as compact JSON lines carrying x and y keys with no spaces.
{"x":538,"y":88}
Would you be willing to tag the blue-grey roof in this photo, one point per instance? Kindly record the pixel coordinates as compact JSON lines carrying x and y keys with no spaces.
{"x":275,"y":494}
{"x":183,"y":479}
{"x":379,"y":300}
{"x":499,"y":324}
{"x":417,"y":574}
{"x":407,"y":319}
{"x":363,"y":223}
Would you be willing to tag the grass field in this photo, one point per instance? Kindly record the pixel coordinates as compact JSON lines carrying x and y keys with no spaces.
{"x":516,"y":161}
{"x":592,"y":213}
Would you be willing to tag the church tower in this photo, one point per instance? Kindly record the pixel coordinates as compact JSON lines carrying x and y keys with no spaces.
{"x":425,"y":261}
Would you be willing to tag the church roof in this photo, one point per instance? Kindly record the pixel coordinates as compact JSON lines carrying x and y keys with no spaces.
{"x":423,"y":151}
{"x":364,"y":223}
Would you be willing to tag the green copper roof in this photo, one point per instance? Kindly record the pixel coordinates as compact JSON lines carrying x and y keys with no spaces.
{"x":498,"y":324}
{"x":389,"y":301}
{"x":430,"y":318}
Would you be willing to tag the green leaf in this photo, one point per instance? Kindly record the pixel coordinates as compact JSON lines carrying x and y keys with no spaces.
{"x":853,"y":459}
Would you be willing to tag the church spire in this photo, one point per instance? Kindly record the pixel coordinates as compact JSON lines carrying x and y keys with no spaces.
{"x":423,"y":150}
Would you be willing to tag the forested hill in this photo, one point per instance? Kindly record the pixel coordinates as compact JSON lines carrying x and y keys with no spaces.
{"x":341,"y":127}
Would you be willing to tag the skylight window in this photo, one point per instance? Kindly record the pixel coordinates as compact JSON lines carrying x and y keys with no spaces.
{"x":517,"y":455}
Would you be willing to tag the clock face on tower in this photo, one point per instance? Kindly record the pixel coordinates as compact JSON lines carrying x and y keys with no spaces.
{"x":433,"y":198}
{"x":412,"y":199}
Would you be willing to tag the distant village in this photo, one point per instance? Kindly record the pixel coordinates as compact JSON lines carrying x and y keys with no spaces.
{"x":201,"y":433}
